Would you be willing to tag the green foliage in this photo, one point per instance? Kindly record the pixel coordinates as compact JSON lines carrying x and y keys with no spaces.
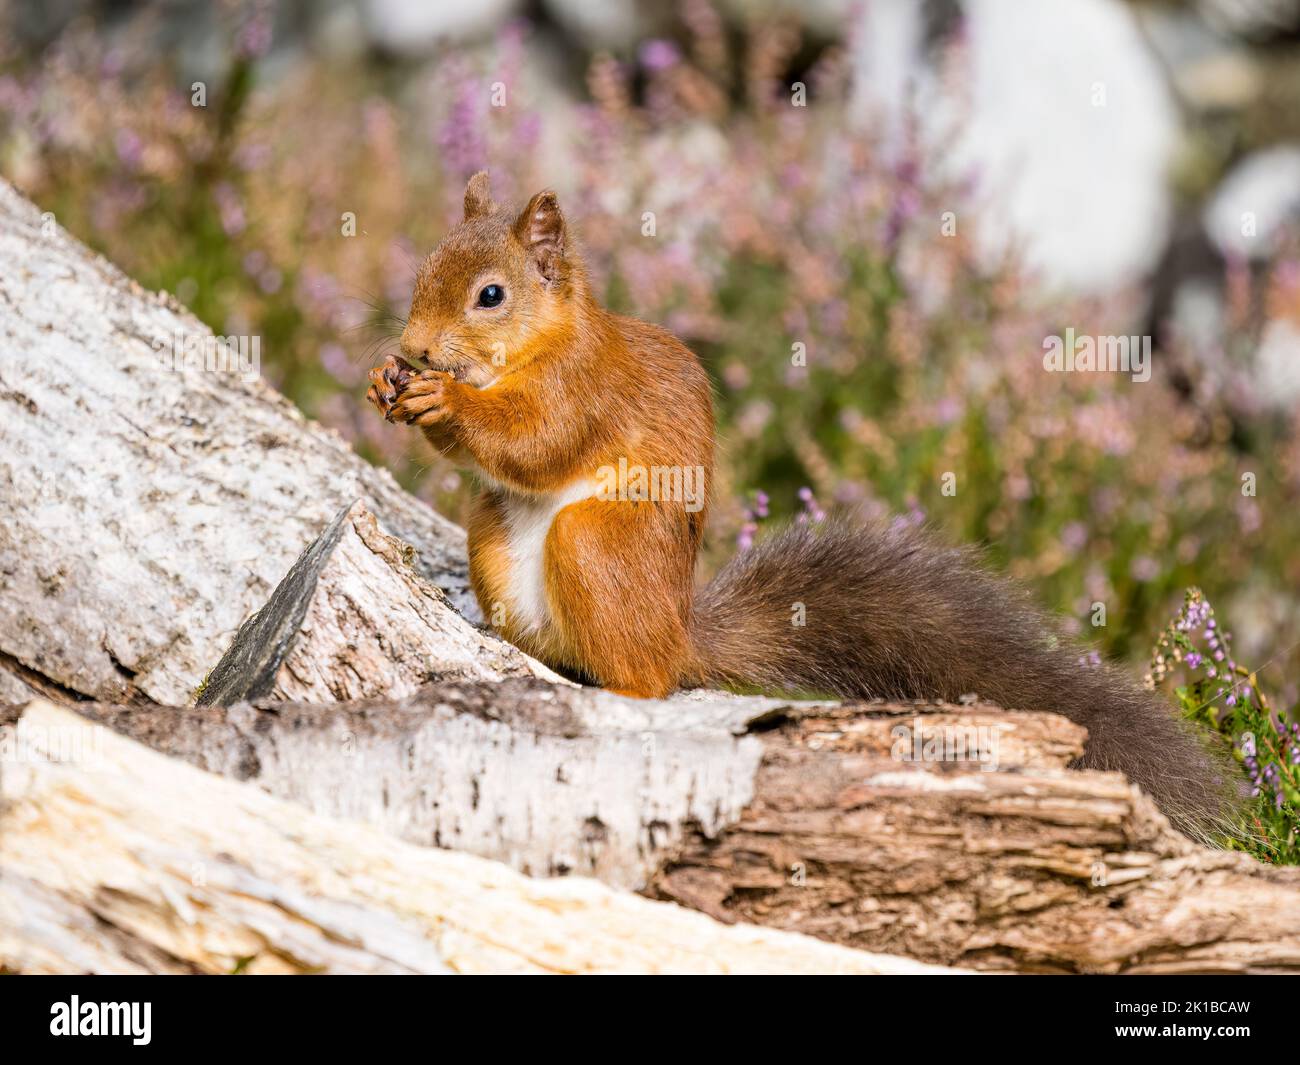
{"x":1225,"y":697}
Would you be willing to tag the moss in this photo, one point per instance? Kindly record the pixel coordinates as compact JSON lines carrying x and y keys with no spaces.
{"x":203,"y":686}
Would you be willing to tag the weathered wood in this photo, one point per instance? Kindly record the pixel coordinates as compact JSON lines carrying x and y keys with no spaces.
{"x":149,"y":508}
{"x":13,"y":688}
{"x":552,"y":779}
{"x":248,"y":668}
{"x":113,"y":862}
{"x":354,"y":619}
{"x":808,"y":818}
{"x":1030,"y":867}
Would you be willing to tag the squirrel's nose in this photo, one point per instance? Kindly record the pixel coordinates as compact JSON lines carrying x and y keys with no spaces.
{"x":414,"y":348}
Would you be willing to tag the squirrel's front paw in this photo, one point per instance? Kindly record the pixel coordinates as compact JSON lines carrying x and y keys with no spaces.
{"x":424,"y":400}
{"x":387,"y":382}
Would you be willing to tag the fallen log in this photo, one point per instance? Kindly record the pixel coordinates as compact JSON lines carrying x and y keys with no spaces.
{"x":952,"y":834}
{"x":152,"y":501}
{"x":114,"y":863}
{"x":13,"y":688}
{"x":354,"y":619}
{"x":552,"y":779}
{"x":1026,"y":866}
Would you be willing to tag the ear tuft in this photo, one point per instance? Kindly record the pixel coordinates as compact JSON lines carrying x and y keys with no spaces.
{"x":540,"y":228}
{"x":478,"y":196}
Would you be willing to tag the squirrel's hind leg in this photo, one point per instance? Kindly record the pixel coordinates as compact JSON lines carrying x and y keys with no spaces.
{"x":616,"y":594}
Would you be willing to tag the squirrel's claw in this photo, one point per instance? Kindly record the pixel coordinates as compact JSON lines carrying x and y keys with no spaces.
{"x":423,"y":400}
{"x":388,"y":381}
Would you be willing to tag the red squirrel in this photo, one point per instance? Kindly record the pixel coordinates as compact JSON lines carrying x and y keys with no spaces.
{"x":565,"y":411}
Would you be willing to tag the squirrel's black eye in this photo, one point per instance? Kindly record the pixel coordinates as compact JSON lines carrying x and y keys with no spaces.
{"x":491,"y":296}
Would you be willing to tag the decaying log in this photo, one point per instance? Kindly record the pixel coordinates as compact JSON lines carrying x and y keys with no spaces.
{"x":150,"y":507}
{"x":354,"y":619}
{"x":810,"y":817}
{"x":113,"y":862}
{"x":1028,"y":866}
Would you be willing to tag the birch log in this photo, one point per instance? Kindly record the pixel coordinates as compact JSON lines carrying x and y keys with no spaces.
{"x":354,"y":619}
{"x":150,"y":507}
{"x":552,"y":779}
{"x":815,"y":818}
{"x":114,"y":863}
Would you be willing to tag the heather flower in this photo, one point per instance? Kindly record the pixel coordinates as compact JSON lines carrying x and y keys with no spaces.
{"x":1264,"y":743}
{"x":230,"y":208}
{"x":130,"y":149}
{"x":658,"y":55}
{"x":336,"y":362}
{"x":252,"y":156}
{"x":754,"y":513}
{"x":812,"y":511}
{"x":254,"y":37}
{"x":1074,"y":536}
{"x":461,"y":141}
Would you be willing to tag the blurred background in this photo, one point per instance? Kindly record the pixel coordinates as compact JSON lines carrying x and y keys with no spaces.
{"x":864,"y":217}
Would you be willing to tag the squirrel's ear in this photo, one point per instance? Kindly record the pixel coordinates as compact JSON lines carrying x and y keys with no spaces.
{"x":540,"y":229}
{"x":478,"y":196}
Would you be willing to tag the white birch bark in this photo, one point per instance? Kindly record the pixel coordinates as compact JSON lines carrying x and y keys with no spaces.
{"x":115,"y":863}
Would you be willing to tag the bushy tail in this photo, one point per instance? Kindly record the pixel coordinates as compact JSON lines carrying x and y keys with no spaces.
{"x":889,"y":612}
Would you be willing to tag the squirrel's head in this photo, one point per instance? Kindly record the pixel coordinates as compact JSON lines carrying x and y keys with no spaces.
{"x":499,"y":287}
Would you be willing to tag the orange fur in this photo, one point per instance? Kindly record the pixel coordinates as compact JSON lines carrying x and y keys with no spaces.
{"x":539,"y":392}
{"x":537,"y":396}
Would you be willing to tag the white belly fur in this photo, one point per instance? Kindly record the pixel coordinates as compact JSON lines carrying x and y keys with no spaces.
{"x":528,"y":520}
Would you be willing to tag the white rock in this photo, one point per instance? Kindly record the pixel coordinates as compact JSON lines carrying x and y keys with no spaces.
{"x":1259,"y":197}
{"x":410,"y":28}
{"x":1277,"y":363}
{"x":1066,"y":122}
{"x":603,"y":23}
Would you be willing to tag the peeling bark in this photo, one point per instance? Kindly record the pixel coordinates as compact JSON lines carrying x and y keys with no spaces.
{"x":807,"y":818}
{"x":114,"y":863}
{"x":552,"y":779}
{"x":1031,"y":867}
{"x":352,"y":620}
